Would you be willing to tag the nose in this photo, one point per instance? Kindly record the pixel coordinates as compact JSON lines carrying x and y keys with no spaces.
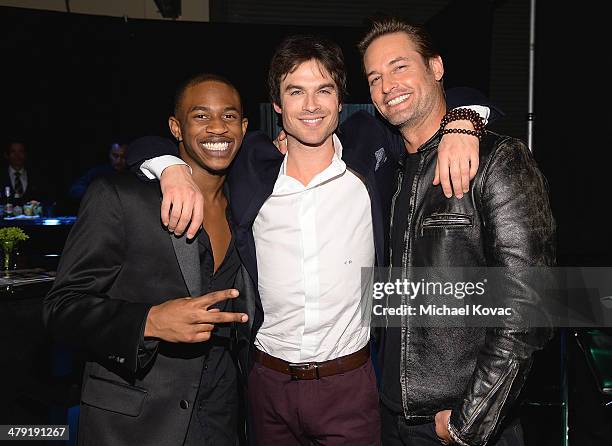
{"x":217,"y":126}
{"x":311,"y":103}
{"x":387,"y":84}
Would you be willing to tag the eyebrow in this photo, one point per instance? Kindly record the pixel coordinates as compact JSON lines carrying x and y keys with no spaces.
{"x":394,"y":61}
{"x":398,"y":59}
{"x":199,"y":108}
{"x":208,"y":109}
{"x":328,"y":85}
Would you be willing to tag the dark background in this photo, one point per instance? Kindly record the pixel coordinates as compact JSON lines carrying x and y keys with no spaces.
{"x":71,"y":84}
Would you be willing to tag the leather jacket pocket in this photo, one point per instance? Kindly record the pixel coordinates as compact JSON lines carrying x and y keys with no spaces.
{"x":446,"y":221}
{"x":114,"y":396}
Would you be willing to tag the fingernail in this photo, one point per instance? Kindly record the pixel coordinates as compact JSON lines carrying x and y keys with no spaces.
{"x":244,"y":318}
{"x":235,"y":293}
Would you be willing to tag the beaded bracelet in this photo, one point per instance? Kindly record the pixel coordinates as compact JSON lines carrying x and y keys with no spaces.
{"x":476,"y":133}
{"x":458,"y":114}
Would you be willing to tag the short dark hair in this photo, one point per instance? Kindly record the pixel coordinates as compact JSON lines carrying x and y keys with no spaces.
{"x":198,"y":79}
{"x":297,"y":49}
{"x":418,"y":34}
{"x":14,"y":140}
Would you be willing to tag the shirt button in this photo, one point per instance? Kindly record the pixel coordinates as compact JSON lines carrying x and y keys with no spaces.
{"x":184,"y":404}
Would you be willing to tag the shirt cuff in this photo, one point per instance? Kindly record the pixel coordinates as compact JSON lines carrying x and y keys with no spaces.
{"x":146,"y":347}
{"x":153,"y":168}
{"x":482,"y":110}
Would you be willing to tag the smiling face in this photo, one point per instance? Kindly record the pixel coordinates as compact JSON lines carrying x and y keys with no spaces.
{"x":209,"y":125}
{"x":404,"y":87}
{"x":309,"y":104}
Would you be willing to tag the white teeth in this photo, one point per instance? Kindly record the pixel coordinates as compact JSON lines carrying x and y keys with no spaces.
{"x":398,"y":100}
{"x":216,"y":146}
{"x":312,"y":121}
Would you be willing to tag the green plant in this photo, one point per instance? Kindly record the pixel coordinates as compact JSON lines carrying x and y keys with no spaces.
{"x":13,"y":234}
{"x":9,"y":237}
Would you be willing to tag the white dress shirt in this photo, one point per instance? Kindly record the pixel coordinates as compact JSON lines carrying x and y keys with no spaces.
{"x":311,"y":243}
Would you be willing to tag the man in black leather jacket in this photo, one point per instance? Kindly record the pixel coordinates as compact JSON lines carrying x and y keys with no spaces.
{"x":454,"y":385}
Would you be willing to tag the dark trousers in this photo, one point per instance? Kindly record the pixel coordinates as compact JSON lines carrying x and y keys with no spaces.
{"x":336,"y":410}
{"x":396,"y":432}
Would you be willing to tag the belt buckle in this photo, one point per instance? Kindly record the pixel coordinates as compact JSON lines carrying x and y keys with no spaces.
{"x":303,"y":367}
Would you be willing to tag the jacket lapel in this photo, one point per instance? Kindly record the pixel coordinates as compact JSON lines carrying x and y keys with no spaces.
{"x":189,"y":261}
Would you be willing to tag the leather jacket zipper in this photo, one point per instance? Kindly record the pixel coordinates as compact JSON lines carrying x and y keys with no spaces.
{"x":405,"y":332}
{"x":446,"y":221}
{"x":400,"y":179}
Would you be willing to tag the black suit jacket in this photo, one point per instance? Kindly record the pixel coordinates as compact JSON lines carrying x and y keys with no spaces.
{"x":38,"y":188}
{"x":118,"y":262}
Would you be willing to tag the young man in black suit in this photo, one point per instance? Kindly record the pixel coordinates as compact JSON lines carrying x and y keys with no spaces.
{"x":160,"y":370}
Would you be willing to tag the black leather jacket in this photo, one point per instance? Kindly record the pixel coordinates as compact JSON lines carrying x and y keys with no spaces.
{"x":504,"y":221}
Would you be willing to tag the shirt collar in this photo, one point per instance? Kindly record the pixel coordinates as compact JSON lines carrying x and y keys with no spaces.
{"x":287,"y":185}
{"x":12,"y":170}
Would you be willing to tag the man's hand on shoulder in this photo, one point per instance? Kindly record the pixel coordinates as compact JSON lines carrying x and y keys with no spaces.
{"x":182,"y":203}
{"x":281,"y":142}
{"x":458,"y":159}
{"x":190,"y":319}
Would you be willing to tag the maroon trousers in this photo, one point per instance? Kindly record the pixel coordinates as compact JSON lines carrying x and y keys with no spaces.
{"x":336,"y":410}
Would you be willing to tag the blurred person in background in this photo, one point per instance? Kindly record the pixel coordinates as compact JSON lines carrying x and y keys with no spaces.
{"x":116,"y":156}
{"x":24,"y":181}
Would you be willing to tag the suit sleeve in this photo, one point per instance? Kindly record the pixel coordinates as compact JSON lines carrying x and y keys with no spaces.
{"x":255,"y":168}
{"x":519,"y":233}
{"x":364,"y":131}
{"x":146,"y":148}
{"x":78,"y":310}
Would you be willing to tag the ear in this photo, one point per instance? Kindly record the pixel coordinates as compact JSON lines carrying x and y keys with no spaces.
{"x":339,"y":107}
{"x":245,"y":124}
{"x":277,"y":108}
{"x":175,"y":128}
{"x":437,"y":67}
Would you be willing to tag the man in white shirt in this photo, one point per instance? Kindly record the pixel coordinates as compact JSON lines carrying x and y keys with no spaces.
{"x":306,"y":223}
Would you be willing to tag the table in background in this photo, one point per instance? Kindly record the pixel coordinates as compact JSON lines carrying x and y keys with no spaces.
{"x":46,"y":242}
